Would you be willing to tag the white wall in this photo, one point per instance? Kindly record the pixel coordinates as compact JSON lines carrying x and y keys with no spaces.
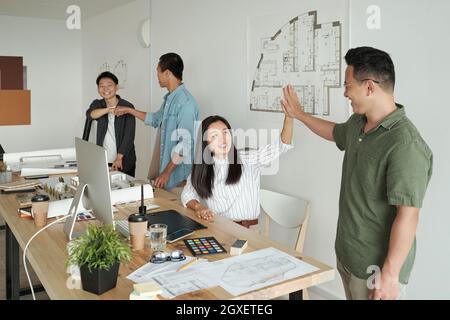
{"x":413,"y":32}
{"x":111,"y":37}
{"x":52,"y":55}
{"x":210,"y":35}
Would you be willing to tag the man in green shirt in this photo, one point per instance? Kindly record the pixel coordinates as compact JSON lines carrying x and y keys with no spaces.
{"x":386,"y":169}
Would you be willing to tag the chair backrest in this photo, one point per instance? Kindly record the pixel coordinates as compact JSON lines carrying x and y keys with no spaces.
{"x":87,"y":129}
{"x":2,"y":152}
{"x":289,"y":215}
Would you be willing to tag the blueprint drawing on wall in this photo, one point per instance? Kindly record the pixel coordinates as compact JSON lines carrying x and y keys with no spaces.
{"x":306,"y":53}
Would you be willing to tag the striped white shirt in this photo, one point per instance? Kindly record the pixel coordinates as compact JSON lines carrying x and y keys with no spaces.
{"x":239,"y":201}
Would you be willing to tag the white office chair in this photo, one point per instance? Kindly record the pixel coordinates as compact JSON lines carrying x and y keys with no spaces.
{"x":284,"y":219}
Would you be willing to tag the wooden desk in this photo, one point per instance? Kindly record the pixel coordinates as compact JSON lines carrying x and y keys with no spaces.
{"x":47,"y":255}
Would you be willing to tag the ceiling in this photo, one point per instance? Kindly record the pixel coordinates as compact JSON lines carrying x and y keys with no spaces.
{"x":56,"y":9}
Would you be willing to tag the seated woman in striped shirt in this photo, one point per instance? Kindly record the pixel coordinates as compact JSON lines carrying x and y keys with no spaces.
{"x":227,"y":180}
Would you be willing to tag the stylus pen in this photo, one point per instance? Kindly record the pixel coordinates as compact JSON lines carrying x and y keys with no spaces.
{"x":188,"y":264}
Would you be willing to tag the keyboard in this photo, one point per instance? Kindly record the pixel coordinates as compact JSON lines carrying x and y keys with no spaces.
{"x":149,"y":207}
{"x":123,"y":229}
{"x":152,"y":207}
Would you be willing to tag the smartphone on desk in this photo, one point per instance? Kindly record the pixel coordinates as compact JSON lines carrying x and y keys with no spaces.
{"x":177,"y":235}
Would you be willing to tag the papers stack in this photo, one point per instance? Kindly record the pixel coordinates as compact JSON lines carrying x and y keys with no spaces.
{"x":18,"y":186}
{"x":168,"y":277}
{"x":25,"y":213}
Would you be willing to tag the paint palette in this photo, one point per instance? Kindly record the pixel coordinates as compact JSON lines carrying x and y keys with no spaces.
{"x":85,"y":216}
{"x":203,"y":246}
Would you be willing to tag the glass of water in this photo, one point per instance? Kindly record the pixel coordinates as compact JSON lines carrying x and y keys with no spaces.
{"x":158,"y":235}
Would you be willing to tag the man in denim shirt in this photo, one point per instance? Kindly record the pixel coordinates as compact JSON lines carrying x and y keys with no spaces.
{"x":175,"y":120}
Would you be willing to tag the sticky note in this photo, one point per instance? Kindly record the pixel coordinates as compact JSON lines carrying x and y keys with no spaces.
{"x":147,"y":288}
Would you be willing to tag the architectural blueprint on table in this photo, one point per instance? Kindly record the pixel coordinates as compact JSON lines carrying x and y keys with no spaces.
{"x":255,"y":270}
{"x":237,"y":275}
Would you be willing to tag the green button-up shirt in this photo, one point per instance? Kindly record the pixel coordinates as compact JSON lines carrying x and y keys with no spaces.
{"x":388,"y":166}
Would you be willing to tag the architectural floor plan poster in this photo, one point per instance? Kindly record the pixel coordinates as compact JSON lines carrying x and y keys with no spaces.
{"x":305,"y":49}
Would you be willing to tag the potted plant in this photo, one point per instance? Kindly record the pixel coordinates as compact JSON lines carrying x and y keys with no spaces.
{"x":98,"y":253}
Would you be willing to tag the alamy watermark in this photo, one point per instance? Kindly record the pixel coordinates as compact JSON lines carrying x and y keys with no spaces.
{"x":259,"y":146}
{"x":74,"y":280}
{"x":374,"y":18}
{"x":374,"y":280}
{"x":73,"y":21}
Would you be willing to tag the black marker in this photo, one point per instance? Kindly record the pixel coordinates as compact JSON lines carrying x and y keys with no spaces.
{"x":142,"y":208}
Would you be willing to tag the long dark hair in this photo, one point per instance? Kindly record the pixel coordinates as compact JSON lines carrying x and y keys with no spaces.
{"x":202,"y":175}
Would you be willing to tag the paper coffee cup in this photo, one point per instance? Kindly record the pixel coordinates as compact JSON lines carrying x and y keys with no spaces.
{"x":39,"y":209}
{"x":137,"y":224}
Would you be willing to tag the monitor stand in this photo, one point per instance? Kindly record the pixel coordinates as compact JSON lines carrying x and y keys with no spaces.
{"x":72,"y":214}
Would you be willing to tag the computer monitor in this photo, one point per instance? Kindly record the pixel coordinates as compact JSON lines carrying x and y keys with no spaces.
{"x":94,"y":187}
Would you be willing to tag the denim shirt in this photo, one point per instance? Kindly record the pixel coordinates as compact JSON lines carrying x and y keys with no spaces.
{"x":176,"y":117}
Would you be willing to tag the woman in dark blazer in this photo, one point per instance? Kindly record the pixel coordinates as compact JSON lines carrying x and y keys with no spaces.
{"x":116,"y":134}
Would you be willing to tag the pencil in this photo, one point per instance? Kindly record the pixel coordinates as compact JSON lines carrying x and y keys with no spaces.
{"x":188,"y":264}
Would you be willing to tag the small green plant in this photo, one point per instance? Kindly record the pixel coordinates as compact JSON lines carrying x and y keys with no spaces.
{"x":99,"y":248}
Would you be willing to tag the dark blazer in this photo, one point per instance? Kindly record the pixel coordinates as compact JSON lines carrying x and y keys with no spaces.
{"x":125,"y":127}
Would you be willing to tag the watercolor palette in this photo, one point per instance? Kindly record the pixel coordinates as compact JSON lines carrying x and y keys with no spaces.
{"x":203,"y":246}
